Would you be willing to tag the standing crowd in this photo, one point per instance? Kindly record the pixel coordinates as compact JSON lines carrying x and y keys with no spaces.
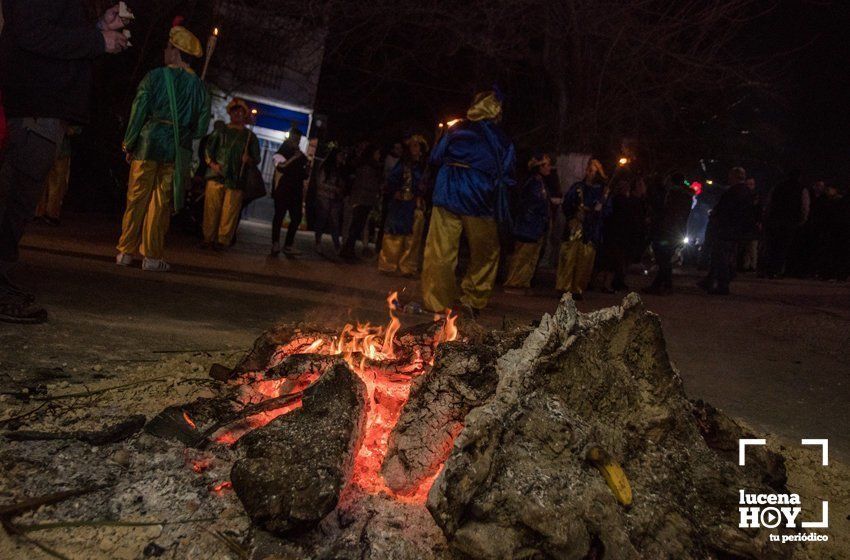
{"x":415,"y":202}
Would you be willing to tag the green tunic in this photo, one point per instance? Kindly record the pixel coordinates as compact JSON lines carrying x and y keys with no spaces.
{"x":225,"y":147}
{"x":150,"y":134}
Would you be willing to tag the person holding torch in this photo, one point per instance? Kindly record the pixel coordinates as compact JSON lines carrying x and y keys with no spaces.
{"x":172,"y":107}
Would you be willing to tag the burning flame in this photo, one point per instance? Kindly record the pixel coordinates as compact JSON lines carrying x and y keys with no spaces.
{"x":189,"y":420}
{"x":386,"y":367}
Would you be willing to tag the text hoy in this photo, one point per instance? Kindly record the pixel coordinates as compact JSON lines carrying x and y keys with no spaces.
{"x":753,"y":514}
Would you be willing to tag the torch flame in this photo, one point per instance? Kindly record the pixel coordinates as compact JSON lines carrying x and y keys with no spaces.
{"x":215,"y":31}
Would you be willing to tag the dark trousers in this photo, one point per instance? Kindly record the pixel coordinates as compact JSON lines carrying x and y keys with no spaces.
{"x":328,"y":213}
{"x":359,"y":216}
{"x":26,"y":162}
{"x":724,"y":253}
{"x":282,"y":205}
{"x":779,"y":241}
{"x":664,"y":259}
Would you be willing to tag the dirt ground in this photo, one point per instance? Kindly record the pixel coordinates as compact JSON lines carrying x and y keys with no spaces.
{"x":773,"y":355}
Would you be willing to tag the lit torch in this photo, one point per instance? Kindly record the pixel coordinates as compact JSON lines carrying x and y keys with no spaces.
{"x":211,"y":42}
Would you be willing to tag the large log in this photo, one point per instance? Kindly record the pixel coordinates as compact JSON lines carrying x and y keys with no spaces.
{"x":521,"y":478}
{"x":463,"y":377}
{"x":296,"y":466}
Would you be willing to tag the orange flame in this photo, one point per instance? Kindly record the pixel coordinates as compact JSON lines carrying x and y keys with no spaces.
{"x":189,"y":420}
{"x":449,"y":331}
{"x":392,"y":328}
{"x":366,"y":349}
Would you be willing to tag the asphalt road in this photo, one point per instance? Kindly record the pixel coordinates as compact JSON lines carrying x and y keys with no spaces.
{"x":774,"y":354}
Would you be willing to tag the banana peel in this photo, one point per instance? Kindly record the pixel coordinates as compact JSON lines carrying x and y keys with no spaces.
{"x":612,"y":472}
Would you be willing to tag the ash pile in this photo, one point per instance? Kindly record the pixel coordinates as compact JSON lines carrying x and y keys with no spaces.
{"x":572,"y":439}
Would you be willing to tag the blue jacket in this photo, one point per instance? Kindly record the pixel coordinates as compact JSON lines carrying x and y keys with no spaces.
{"x":588,"y":196}
{"x":531,"y":218}
{"x":476,"y":164}
{"x":400,"y":212}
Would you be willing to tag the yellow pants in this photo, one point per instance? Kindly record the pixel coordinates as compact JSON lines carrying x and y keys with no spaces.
{"x":401,"y":253}
{"x":395,"y":254}
{"x":441,"y":248}
{"x":148,"y":213}
{"x":523,"y":264}
{"x":418,"y":240}
{"x":221,"y":212}
{"x":55,"y":188}
{"x":575,"y":265}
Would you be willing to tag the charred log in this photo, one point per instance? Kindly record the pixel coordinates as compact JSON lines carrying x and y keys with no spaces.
{"x":464,"y":377}
{"x":296,"y":466}
{"x":518,"y":481}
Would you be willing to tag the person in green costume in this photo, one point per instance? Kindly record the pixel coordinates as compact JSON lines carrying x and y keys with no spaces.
{"x":154,"y":155}
{"x":229,"y":153}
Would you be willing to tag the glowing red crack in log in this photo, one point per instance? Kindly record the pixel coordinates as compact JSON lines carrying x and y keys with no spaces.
{"x":385,"y":366}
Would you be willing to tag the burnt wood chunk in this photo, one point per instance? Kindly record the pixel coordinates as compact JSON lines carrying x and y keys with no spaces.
{"x":464,"y":376}
{"x":296,"y":466}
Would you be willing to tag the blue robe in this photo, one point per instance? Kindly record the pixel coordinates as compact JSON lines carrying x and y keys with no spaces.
{"x":592,"y":223}
{"x":476,"y":164}
{"x":400,"y":212}
{"x":531,"y":218}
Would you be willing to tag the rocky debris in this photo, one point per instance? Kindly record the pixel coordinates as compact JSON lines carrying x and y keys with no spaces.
{"x":463,"y":377}
{"x":296,"y":466}
{"x":721,"y":433}
{"x":363,"y":527}
{"x":518,"y":482}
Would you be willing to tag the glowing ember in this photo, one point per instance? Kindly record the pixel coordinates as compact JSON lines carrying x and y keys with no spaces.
{"x":387,"y":369}
{"x":221,"y":487}
{"x":189,"y":420}
{"x":200,"y":465}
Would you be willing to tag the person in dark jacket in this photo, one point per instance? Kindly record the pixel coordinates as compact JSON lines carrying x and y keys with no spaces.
{"x":530,"y":223}
{"x":46,"y":54}
{"x":786,"y":213}
{"x":365,"y":195}
{"x":622,"y":227}
{"x":288,"y":194}
{"x":330,"y":181}
{"x":669,"y":228}
{"x":729,"y":223}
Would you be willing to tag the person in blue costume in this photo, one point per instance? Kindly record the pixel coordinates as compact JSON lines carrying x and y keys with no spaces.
{"x":530,"y":223}
{"x":585,"y":207}
{"x":403,"y":226}
{"x":475,"y":163}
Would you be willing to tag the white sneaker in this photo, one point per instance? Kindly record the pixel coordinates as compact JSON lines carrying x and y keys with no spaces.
{"x":155,"y":265}
{"x":123,"y":259}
